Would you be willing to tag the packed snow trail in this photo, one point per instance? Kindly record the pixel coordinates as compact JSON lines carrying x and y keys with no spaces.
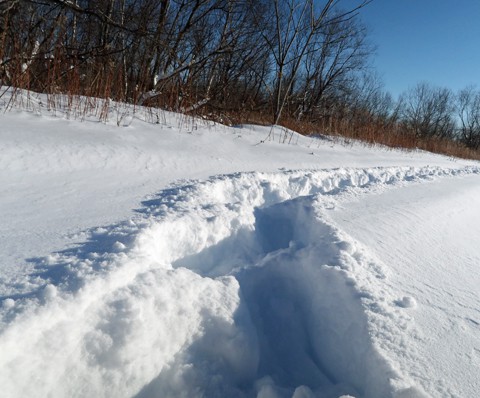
{"x":428,"y":235}
{"x":60,"y":177}
{"x":236,"y":286}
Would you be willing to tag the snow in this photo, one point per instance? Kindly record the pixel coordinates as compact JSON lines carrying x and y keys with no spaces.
{"x":436,"y":263}
{"x":186,"y":259}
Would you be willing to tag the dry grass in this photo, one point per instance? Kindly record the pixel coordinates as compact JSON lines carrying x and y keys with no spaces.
{"x":393,"y":136}
{"x":76,"y":106}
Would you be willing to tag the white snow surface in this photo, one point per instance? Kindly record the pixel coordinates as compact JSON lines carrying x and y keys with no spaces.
{"x":189,"y":259}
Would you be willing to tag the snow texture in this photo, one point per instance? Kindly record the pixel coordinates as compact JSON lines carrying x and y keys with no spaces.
{"x":273,"y":283}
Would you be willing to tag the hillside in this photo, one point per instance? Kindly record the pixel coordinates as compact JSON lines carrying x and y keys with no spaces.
{"x":187,"y":258}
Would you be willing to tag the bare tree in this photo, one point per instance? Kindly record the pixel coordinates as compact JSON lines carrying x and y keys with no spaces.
{"x":336,"y":63}
{"x":295,"y":26}
{"x":366,"y":105}
{"x":428,"y":111}
{"x":468,"y":110}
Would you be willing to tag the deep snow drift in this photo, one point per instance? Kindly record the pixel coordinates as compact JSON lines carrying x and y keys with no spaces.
{"x":149,"y":260}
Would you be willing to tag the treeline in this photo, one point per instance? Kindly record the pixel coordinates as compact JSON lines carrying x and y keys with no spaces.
{"x":301,"y":63}
{"x":276,"y":57}
{"x":434,"y":112}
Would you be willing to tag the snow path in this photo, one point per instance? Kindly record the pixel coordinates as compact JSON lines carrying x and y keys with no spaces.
{"x":236,"y":286}
{"x":428,"y":235}
{"x":61,"y":177}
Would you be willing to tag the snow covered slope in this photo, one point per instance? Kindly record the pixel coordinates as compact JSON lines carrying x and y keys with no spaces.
{"x":190,"y":259}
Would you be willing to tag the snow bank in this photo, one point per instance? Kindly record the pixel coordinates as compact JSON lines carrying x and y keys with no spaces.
{"x":235,"y":286}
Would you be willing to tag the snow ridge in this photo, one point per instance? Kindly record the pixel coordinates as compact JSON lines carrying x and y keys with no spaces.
{"x":235,"y":286}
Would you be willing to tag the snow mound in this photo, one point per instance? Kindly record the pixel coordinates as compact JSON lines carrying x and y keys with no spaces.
{"x":235,"y":286}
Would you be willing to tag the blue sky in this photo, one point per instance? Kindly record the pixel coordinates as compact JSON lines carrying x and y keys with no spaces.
{"x":437,"y":41}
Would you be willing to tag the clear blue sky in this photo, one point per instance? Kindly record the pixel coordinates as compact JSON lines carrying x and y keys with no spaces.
{"x":437,"y":41}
